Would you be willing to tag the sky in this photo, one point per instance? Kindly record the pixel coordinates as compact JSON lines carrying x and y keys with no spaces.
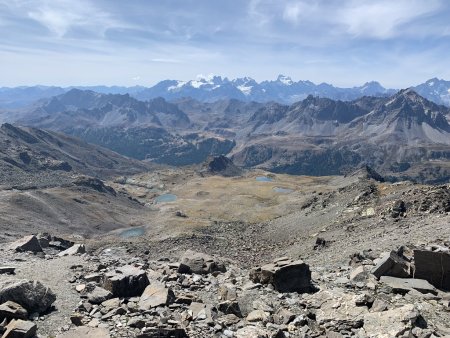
{"x":141,"y":42}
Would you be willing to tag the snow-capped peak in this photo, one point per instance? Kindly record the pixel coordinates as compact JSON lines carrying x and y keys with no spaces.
{"x":210,"y":80}
{"x":286,"y":80}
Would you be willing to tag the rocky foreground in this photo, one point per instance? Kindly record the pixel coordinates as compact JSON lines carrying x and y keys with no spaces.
{"x":51,"y":287}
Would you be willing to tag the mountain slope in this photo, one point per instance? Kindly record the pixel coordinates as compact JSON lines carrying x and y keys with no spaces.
{"x":435,"y":90}
{"x":34,"y":157}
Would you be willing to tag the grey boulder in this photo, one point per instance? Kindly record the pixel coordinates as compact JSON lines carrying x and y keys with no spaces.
{"x":32,"y":295}
{"x":126,"y":281}
{"x":199,"y":263}
{"x":285,"y":275}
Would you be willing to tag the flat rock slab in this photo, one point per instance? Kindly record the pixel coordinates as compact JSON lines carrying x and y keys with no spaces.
{"x":85,"y":332}
{"x":404,"y":285}
{"x":76,"y":249}
{"x":32,"y":295}
{"x":156,"y":295}
{"x":18,"y":328}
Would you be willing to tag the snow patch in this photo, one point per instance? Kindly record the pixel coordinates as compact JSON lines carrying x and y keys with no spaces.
{"x":246,"y":90}
{"x":177,"y":86}
{"x":431,"y":83}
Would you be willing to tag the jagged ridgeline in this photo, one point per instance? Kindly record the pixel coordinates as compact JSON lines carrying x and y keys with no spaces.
{"x":403,"y":136}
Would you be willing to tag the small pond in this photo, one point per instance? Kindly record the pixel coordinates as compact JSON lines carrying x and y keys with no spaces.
{"x":133,"y":232}
{"x":165,"y":198}
{"x":282,"y":190}
{"x":264,"y":179}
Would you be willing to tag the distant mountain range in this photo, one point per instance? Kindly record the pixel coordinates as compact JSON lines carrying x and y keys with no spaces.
{"x":210,"y":89}
{"x":402,"y":136}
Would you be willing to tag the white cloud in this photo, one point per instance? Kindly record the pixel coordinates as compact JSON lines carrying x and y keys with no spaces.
{"x":295,"y":12}
{"x":62,"y":15}
{"x":382,"y":19}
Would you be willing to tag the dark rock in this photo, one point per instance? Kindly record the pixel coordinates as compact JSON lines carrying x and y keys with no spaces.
{"x":392,"y":265}
{"x":285,"y":275}
{"x":230,"y":307}
{"x":27,"y":243}
{"x":60,"y":243}
{"x":32,"y":295}
{"x":154,"y":332}
{"x":199,"y":263}
{"x":320,"y":243}
{"x":224,"y":166}
{"x":398,"y":209}
{"x":8,"y":270}
{"x":126,"y":281}
{"x":434,"y":267}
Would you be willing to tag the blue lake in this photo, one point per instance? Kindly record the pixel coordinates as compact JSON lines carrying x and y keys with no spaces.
{"x":133,"y":232}
{"x":165,"y":198}
{"x":263,"y":179}
{"x":282,"y":190}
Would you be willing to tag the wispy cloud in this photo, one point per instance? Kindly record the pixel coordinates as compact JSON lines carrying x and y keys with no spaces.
{"x":383,"y":19}
{"x":339,"y":41}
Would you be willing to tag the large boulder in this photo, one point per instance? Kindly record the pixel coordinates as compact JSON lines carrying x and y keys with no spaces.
{"x":126,"y":281}
{"x":433,"y":266}
{"x":27,"y":243}
{"x":393,"y":265}
{"x":285,"y":275}
{"x":32,"y":295}
{"x":19,"y":328}
{"x":397,"y":322}
{"x":199,"y":263}
{"x":156,"y":295}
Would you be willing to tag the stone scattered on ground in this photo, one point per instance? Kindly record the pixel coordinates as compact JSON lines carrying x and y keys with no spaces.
{"x":122,"y":294}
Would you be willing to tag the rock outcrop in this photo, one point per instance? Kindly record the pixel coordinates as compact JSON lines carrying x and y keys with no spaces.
{"x":285,"y":275}
{"x":199,"y":263}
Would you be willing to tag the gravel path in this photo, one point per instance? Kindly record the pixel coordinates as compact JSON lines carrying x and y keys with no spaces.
{"x":54,"y":273}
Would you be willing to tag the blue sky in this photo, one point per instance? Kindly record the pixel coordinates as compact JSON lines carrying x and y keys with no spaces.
{"x":140,"y":42}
